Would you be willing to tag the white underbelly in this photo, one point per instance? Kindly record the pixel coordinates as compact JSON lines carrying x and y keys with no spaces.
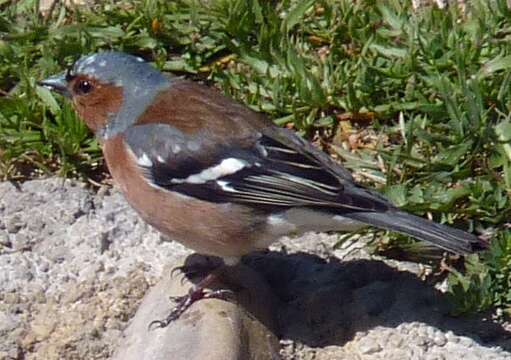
{"x":297,"y":221}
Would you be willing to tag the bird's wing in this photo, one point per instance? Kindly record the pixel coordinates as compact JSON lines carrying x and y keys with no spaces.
{"x":201,"y":144}
{"x":276,"y":170}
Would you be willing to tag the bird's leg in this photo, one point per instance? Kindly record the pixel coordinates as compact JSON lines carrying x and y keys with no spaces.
{"x":197,"y":292}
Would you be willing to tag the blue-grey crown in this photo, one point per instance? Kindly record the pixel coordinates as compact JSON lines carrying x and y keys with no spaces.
{"x":116,"y":67}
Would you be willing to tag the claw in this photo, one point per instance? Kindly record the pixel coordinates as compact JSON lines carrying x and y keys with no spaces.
{"x":176,"y":299}
{"x":191,"y":271}
{"x":184,"y":302}
{"x":177,"y":269}
{"x":160,"y":324}
{"x":183,"y":280}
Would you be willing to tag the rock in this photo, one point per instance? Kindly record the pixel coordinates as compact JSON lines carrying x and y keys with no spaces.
{"x":7,"y":322}
{"x":211,"y":329}
{"x":21,"y":242}
{"x":368,"y":347}
{"x":14,"y":224}
{"x":440,"y":339}
{"x":4,"y":239}
{"x":78,"y":285}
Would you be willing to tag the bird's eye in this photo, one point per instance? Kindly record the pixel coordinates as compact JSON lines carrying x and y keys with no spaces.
{"x":84,"y":87}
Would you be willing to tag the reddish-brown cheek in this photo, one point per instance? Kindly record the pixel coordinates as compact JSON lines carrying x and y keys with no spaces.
{"x":95,"y":108}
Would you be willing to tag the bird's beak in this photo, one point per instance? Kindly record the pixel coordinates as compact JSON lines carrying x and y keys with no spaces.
{"x":56,"y":83}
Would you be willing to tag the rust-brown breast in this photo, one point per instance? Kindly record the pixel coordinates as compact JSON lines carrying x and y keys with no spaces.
{"x":214,"y":229}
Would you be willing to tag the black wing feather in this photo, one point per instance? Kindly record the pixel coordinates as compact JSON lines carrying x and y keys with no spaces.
{"x":276,"y":177}
{"x":280,"y":171}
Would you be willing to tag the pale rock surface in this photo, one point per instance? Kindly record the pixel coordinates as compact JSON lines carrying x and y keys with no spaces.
{"x":75,"y":266}
{"x":212,"y":329}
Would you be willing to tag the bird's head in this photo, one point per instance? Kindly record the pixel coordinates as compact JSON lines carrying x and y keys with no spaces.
{"x":109,"y":90}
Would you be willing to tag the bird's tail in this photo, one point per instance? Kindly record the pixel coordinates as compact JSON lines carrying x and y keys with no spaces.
{"x":448,"y":238}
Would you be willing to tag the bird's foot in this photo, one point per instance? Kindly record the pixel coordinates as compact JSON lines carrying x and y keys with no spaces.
{"x":196,"y":269}
{"x":195,"y":294}
{"x":210,"y":273}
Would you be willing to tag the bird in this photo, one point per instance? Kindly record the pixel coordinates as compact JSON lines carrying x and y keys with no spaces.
{"x":216,"y":176}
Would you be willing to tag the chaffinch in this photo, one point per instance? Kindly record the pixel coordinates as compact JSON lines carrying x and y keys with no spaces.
{"x":215,"y":175}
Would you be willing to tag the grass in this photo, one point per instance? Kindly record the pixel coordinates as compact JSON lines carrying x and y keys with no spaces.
{"x":415,"y":103}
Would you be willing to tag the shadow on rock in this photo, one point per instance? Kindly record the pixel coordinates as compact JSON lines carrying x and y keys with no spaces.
{"x":326,"y":302}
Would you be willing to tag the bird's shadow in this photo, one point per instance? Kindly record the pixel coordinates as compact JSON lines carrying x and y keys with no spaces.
{"x":325,"y":303}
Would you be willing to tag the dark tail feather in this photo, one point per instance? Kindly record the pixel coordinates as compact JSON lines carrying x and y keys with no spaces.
{"x":445,"y":237}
